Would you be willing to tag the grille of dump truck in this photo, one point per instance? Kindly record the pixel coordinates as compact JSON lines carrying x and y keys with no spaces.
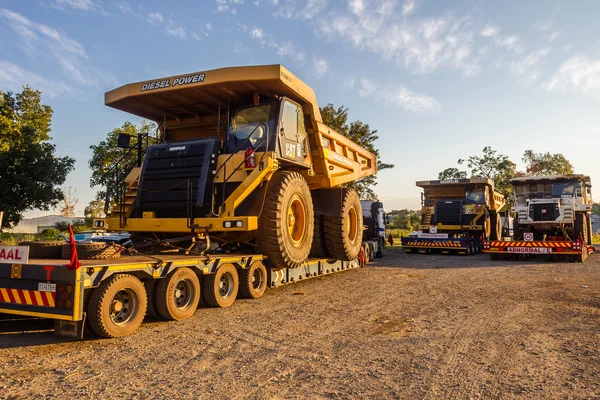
{"x":544,"y":211}
{"x":177,"y":179}
{"x":448,"y":212}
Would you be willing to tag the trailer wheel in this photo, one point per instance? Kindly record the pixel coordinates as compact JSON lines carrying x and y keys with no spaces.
{"x":178,"y":295}
{"x":151,"y":310}
{"x":44,"y":248}
{"x":221,"y":288}
{"x":319,"y":245}
{"x":344,"y":233}
{"x":118,"y":306}
{"x":286,"y":225}
{"x":253,"y":280}
{"x":496,"y":226}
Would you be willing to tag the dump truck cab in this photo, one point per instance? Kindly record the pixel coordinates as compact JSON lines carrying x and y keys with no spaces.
{"x":461,"y":207}
{"x":555,"y":205}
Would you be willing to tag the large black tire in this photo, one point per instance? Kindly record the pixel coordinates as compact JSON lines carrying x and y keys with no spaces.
{"x":343,"y":233}
{"x":178,"y":295}
{"x":118,"y":306}
{"x":496,"y":226}
{"x":319,"y":245}
{"x":380,"y":248}
{"x":92,"y":251}
{"x":221,"y":288}
{"x":286,"y":224}
{"x":253,"y":280}
{"x":44,"y":248}
{"x":152,"y":309}
{"x":581,"y":227}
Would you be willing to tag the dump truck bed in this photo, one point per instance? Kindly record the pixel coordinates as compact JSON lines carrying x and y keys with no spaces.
{"x":196,"y":104}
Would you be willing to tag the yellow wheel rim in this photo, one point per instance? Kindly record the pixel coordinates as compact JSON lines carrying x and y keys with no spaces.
{"x":296,"y":220}
{"x":352,"y":224}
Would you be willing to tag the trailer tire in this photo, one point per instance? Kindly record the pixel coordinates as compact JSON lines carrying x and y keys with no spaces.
{"x":343,"y":233}
{"x":151,"y":310}
{"x":221,"y":288}
{"x":253,"y":280}
{"x":496,"y":226}
{"x":44,"y":248}
{"x":319,"y":244}
{"x":286,"y":224}
{"x":178,"y":295}
{"x":92,"y":251}
{"x":117,"y":307}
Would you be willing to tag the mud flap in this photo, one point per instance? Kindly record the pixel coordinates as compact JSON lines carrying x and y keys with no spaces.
{"x":72,"y":329}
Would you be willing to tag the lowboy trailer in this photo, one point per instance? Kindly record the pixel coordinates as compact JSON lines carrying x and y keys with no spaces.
{"x":113,"y":296}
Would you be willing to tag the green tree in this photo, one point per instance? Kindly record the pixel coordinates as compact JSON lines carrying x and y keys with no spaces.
{"x":360,"y":133}
{"x":106,"y":154}
{"x":546,"y":164}
{"x":95,"y":209}
{"x":452,"y":173}
{"x":405,"y":219}
{"x":30,"y":172}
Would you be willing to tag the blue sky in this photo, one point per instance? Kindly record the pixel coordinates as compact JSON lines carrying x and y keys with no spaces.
{"x":439,"y":80}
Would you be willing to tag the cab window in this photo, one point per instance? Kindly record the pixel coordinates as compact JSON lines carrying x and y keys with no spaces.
{"x":289,"y":121}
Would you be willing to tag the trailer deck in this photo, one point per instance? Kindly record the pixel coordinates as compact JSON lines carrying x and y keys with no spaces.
{"x":50,"y":288}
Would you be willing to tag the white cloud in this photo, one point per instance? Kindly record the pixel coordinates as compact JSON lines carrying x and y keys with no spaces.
{"x":489,"y":31}
{"x":412,"y":102}
{"x":526,"y":68}
{"x":578,"y":74}
{"x":155,"y":17}
{"x":209,"y":27}
{"x":177,"y":31}
{"x":309,"y":10}
{"x":283,"y":49}
{"x":409,"y":7}
{"x":82,"y":5}
{"x":547,"y":29}
{"x":13,"y":77}
{"x":41,"y":41}
{"x":256,"y":33}
{"x":421,"y":45}
{"x":320,"y":66}
{"x":195,"y":36}
{"x":225,"y":5}
{"x":367,"y":87}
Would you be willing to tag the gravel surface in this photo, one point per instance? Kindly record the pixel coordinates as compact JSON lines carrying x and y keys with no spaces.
{"x":408,"y":326}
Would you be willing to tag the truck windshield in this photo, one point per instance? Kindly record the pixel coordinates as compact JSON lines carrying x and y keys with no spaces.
{"x":245,"y":121}
{"x":564,"y":189}
{"x":476,"y":196}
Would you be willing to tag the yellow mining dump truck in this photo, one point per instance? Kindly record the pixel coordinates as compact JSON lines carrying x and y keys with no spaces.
{"x":244,"y":160}
{"x":457,"y":214}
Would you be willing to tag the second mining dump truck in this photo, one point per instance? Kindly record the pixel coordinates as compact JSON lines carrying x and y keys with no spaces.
{"x":553,"y":218}
{"x":244,"y":160}
{"x":456,"y":215}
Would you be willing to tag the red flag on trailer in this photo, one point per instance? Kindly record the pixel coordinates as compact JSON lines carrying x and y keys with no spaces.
{"x":74,"y":263}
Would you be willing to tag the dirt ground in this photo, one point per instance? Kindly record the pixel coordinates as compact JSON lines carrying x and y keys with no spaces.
{"x":408,"y":326}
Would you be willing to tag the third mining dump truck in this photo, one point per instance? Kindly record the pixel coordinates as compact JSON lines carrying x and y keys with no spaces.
{"x":457,"y":214}
{"x":244,"y":160}
{"x":553,"y":218}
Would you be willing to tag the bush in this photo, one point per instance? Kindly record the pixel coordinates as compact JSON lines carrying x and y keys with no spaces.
{"x":81,"y":228}
{"x":7,"y":239}
{"x":49,"y":234}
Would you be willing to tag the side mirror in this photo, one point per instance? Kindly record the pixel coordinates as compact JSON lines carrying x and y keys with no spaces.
{"x":124,"y":141}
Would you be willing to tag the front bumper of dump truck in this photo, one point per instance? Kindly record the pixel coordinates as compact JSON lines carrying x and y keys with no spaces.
{"x":151,"y":224}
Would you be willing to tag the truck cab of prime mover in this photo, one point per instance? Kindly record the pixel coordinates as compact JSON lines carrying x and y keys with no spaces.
{"x":555,"y":205}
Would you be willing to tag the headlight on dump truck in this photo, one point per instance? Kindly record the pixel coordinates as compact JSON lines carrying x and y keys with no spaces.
{"x":232,"y":224}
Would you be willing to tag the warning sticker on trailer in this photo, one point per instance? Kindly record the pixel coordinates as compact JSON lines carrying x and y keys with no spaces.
{"x":529,"y":250}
